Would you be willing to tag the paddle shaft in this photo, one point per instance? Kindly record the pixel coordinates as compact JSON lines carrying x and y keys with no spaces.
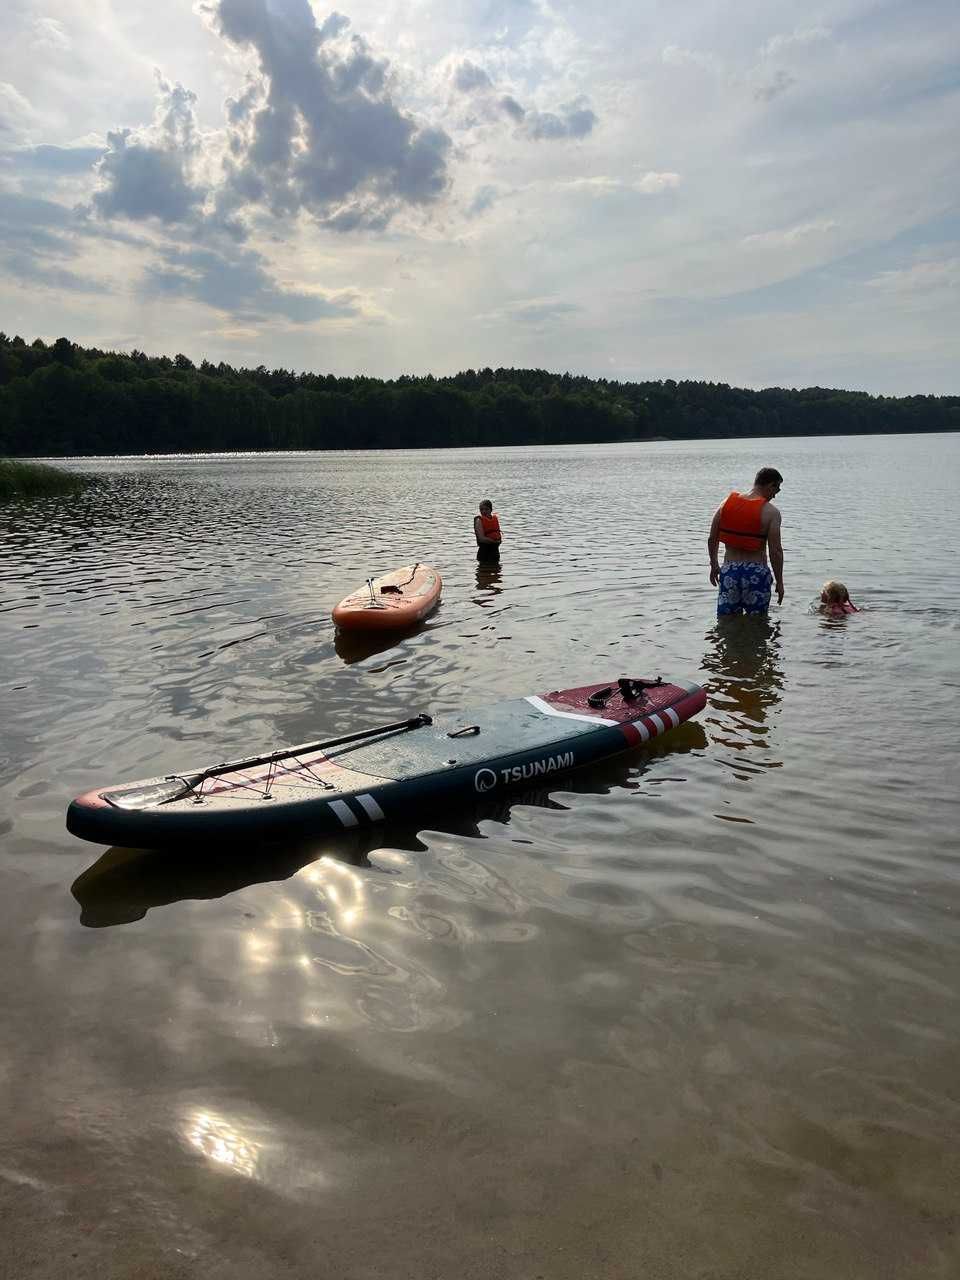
{"x":217,"y":770}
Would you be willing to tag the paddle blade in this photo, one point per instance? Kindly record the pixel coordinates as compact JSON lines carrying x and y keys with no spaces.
{"x":148,"y":795}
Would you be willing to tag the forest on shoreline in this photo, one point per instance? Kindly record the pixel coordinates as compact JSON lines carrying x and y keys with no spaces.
{"x":61,"y":399}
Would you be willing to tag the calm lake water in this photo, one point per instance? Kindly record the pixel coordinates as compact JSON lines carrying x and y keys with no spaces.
{"x":692,"y":1015}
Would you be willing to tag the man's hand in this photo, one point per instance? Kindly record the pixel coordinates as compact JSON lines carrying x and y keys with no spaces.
{"x":714,"y":574}
{"x":780,"y":593}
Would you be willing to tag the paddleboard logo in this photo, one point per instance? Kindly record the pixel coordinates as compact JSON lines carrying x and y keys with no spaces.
{"x":486,"y":779}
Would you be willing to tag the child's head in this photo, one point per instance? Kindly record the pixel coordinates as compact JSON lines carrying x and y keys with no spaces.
{"x":834,"y":592}
{"x":486,"y":507}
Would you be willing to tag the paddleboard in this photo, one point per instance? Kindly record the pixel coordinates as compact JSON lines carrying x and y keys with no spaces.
{"x":387,"y":772}
{"x":394,"y":600}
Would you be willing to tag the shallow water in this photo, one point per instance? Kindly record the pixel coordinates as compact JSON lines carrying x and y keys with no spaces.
{"x":692,"y":1014}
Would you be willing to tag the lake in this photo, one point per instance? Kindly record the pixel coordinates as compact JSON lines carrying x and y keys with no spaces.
{"x":691,"y":1014}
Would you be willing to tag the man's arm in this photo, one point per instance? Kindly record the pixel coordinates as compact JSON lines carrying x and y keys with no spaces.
{"x":713,"y":547}
{"x":478,"y":530}
{"x":775,"y":547}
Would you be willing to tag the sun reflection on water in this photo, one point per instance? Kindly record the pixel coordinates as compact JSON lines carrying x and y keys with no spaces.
{"x":340,"y":887}
{"x":220,"y":1142}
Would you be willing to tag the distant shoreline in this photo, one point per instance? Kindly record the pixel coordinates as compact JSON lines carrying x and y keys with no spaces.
{"x":62,"y":400}
{"x":566,"y":444}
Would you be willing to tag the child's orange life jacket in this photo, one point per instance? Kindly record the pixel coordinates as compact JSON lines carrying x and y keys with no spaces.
{"x":740,"y":523}
{"x":491,"y":527}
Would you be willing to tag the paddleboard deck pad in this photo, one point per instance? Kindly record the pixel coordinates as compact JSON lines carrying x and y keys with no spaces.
{"x":386,"y":773}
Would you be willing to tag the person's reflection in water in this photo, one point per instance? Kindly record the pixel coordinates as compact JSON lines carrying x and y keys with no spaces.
{"x":745,"y":685}
{"x":489,"y":578}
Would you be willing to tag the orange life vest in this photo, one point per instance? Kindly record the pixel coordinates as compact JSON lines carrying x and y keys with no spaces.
{"x":491,"y":527}
{"x":740,"y":523}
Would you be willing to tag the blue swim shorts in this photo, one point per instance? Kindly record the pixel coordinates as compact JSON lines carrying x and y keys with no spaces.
{"x":744,"y":588}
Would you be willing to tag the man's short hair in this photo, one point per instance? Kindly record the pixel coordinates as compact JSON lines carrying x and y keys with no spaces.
{"x":487,"y":503}
{"x":768,"y":475}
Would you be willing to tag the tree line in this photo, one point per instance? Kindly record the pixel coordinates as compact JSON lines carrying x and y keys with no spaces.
{"x":61,"y":399}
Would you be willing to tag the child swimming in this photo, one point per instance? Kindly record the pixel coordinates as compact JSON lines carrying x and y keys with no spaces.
{"x":835,"y":600}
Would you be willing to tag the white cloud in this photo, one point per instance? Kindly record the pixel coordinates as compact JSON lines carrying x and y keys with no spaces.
{"x":17,"y":115}
{"x":799,"y":36}
{"x":49,"y":34}
{"x":778,"y":83}
{"x":648,"y":184}
{"x":920,"y":278}
{"x":791,"y":235}
{"x":652,"y":184}
{"x":675,"y":56}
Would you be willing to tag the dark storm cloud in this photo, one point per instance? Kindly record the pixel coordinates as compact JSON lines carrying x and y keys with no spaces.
{"x":237,"y":283}
{"x":319,"y":131}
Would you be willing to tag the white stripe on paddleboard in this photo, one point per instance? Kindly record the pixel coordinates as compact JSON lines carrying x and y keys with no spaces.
{"x":661,"y":727}
{"x":641,"y":728}
{"x":547,"y":710}
{"x":344,"y":813}
{"x":673,"y":716}
{"x":371,"y":808}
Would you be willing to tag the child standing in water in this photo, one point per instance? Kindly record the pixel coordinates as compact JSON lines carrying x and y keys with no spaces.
{"x":486,"y":527}
{"x":835,"y":600}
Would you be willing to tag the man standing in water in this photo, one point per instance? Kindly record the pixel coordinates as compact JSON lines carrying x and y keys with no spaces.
{"x":486,"y":527}
{"x":747,"y":524}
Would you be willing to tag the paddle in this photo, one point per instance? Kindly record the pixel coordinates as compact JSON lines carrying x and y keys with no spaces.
{"x":159,"y":794}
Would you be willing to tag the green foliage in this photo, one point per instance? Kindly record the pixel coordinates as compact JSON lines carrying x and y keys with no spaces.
{"x":30,"y":479}
{"x":65,"y":399}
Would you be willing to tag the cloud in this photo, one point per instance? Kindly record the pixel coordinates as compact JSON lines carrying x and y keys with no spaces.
{"x":532,"y":311}
{"x":799,"y":36}
{"x":791,"y":235}
{"x":923,"y":277}
{"x":317,"y":129}
{"x":48,"y":34}
{"x":147,"y":174}
{"x":17,"y":115}
{"x":512,"y":108}
{"x":237,"y":283}
{"x":648,"y":184}
{"x":483,"y":198}
{"x":675,"y":56}
{"x":31,"y":269}
{"x":36,"y":238}
{"x":469,"y":77}
{"x":49,"y":159}
{"x":777,"y":84}
{"x":575,"y":121}
{"x":652,"y":184}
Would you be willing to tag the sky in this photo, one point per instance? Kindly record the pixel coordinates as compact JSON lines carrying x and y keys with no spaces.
{"x":762,"y":193}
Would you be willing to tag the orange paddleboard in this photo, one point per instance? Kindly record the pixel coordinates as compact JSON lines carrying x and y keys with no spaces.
{"x":394,"y":600}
